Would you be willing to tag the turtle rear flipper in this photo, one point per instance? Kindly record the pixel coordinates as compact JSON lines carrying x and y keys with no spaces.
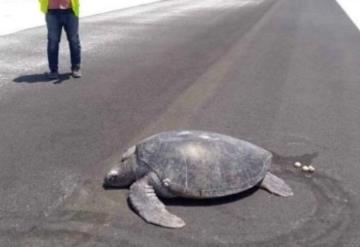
{"x":276,"y":185}
{"x":149,"y":207}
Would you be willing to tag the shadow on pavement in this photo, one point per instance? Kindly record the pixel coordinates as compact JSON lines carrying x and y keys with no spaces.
{"x":208,"y":202}
{"x":37,"y":78}
{"x":187,"y":202}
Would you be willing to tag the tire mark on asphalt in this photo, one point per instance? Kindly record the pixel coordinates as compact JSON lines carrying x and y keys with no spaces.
{"x":329,"y":224}
{"x":179,"y":114}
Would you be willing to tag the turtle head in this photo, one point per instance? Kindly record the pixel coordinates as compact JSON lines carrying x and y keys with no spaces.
{"x":121,"y":175}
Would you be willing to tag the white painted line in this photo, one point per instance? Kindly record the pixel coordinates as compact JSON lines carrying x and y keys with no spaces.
{"x":17,"y":15}
{"x":352,"y":9}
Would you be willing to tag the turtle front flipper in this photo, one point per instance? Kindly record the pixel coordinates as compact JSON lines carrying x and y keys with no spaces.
{"x":149,"y":207}
{"x":276,"y":185}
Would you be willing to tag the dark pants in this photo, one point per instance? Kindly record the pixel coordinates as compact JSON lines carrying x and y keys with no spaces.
{"x":55,"y":21}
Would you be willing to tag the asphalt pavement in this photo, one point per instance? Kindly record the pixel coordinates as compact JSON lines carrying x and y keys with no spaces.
{"x":283,"y":74}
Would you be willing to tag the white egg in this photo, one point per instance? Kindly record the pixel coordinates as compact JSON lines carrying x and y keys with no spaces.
{"x":311,"y":168}
{"x":297,"y":164}
{"x":305,"y":168}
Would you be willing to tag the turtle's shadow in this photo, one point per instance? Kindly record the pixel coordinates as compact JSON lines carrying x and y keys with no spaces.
{"x":187,"y":202}
{"x":42,"y":78}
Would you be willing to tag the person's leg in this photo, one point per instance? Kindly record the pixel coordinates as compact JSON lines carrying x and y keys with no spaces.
{"x":54,"y":35}
{"x":72,"y":31}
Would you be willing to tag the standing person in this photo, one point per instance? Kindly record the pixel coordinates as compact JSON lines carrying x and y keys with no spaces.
{"x":62,"y":14}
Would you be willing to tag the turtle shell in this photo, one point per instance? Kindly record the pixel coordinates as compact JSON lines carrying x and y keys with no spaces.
{"x":202,"y":164}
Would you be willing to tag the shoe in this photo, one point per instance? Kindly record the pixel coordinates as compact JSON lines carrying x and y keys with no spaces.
{"x":53,"y":75}
{"x":76,"y":73}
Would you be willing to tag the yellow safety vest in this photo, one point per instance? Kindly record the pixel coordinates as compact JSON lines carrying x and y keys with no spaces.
{"x":75,"y":4}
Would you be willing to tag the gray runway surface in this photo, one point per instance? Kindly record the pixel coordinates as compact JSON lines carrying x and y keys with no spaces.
{"x":283,"y":74}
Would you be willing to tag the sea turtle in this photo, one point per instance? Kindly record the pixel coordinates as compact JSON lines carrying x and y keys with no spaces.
{"x":190,"y":164}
